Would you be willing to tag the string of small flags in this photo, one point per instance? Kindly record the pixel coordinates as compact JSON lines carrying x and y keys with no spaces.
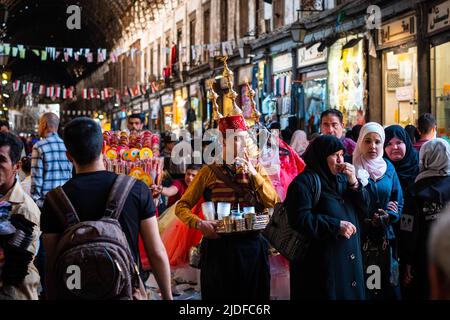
{"x":100,"y":55}
{"x":69,"y":93}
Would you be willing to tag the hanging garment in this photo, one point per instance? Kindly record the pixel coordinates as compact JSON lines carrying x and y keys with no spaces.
{"x":279,"y":105}
{"x":282,"y":84}
{"x":286,"y":105}
{"x":288,"y":83}
{"x":266,"y":109}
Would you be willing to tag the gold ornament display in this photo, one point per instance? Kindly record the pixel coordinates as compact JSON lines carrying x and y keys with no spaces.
{"x":232,"y":95}
{"x":213,"y":96}
{"x":256,"y":115}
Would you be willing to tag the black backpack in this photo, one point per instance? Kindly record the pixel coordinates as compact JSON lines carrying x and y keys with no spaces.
{"x":95,"y":251}
{"x":288,"y":242}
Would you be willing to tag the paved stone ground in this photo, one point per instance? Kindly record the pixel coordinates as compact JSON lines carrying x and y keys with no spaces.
{"x":184,"y":285}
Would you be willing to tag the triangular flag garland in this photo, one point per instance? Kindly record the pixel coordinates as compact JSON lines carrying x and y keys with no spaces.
{"x":61,"y":92}
{"x":100,"y":55}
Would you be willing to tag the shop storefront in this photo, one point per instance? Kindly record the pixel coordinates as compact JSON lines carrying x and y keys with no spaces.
{"x":167,"y":104}
{"x":179,"y":108}
{"x":282,"y":85}
{"x":115,"y":125}
{"x":122,"y":120}
{"x":397,"y":40}
{"x":196,"y":102}
{"x":245,"y":77}
{"x":145,"y":113}
{"x":347,"y":79}
{"x":261,"y":80}
{"x":310,"y":93}
{"x":136,"y":106}
{"x":438,"y":30}
{"x":155,"y":114}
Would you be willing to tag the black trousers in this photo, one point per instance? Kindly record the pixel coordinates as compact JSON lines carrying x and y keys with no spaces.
{"x":235,"y":267}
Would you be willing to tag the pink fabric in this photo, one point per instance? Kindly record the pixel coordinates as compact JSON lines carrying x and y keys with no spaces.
{"x":291,"y":166}
{"x":299,"y":142}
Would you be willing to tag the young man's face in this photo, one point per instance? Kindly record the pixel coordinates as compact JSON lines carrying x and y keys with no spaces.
{"x":235,"y":147}
{"x":135,"y":124}
{"x":8,"y":170}
{"x":189,"y":176}
{"x":332,"y":126}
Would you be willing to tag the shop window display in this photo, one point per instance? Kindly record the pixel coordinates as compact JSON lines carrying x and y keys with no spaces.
{"x":440,"y":82}
{"x":315,"y":92}
{"x":179,"y":110}
{"x":400,"y":92}
{"x":347,"y":79}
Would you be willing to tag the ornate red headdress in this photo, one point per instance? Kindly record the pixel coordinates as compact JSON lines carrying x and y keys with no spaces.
{"x":235,"y":122}
{"x":235,"y":119}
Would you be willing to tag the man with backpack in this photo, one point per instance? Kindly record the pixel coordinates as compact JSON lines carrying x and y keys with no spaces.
{"x":89,"y":257}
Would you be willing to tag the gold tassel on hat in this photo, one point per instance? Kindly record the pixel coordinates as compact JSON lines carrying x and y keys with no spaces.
{"x":232,"y":95}
{"x":213,"y":96}
{"x":256,"y":115}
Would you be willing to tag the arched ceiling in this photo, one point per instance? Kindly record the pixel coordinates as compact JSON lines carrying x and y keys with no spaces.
{"x":43,"y":23}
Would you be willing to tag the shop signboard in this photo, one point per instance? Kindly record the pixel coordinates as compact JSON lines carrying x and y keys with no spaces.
{"x":167,"y":99}
{"x":193,"y":90}
{"x":282,"y":63}
{"x":145,"y":106}
{"x":311,"y":56}
{"x":155,"y":106}
{"x":137,"y":108}
{"x":399,"y":30}
{"x":439,"y":17}
{"x":404,"y":93}
{"x":245,"y":75}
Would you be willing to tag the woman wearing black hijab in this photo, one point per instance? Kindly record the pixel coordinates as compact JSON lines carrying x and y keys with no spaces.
{"x":400,"y":151}
{"x":333,"y":265}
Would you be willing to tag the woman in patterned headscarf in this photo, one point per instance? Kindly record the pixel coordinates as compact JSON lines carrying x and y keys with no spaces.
{"x":431,"y":195}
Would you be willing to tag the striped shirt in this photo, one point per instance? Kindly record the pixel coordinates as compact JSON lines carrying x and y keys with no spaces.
{"x":50,"y":167}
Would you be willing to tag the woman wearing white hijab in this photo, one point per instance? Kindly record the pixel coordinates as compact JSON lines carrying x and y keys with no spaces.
{"x":432,"y":196}
{"x":299,"y":142}
{"x":381,"y":181}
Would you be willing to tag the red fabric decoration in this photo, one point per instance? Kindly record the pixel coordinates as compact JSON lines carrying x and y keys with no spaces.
{"x":232,"y":123}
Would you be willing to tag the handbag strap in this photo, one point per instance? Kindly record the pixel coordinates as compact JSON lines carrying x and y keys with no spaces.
{"x":225,"y":178}
{"x":317,"y":188}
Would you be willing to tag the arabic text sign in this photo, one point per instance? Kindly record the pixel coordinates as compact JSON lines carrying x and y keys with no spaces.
{"x":404,"y":93}
{"x":398,"y":30}
{"x":307,"y":57}
{"x":439,"y":17}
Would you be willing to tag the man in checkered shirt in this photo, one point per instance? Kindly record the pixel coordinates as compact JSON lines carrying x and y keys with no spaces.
{"x":50,"y":167}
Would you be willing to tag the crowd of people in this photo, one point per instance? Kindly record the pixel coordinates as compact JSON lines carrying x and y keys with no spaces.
{"x":378,"y":230}
{"x":404,"y":176}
